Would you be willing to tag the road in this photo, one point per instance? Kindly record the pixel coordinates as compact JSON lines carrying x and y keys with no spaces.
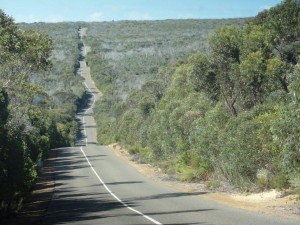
{"x":93,"y":186}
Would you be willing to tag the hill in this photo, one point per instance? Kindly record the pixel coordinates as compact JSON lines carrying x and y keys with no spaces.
{"x":225,"y":109}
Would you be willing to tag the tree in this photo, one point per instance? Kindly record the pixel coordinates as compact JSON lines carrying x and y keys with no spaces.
{"x":26,"y":123}
{"x":225,"y":44}
{"x":257,"y":38}
{"x":283,"y":21}
{"x":202,"y":77}
{"x":253,"y":79}
{"x":225,"y":52}
{"x":22,"y":52}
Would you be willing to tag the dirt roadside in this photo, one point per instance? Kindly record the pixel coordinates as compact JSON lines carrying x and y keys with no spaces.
{"x":271,"y":202}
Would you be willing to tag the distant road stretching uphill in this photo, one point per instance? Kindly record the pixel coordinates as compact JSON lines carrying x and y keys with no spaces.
{"x":93,"y":186}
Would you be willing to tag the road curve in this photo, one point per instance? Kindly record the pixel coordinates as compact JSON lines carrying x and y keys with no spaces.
{"x":93,"y":186}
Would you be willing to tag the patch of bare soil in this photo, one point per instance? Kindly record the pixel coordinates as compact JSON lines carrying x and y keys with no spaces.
{"x":37,"y":202}
{"x":270,"y":202}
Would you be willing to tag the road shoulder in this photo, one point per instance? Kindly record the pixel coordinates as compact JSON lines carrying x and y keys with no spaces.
{"x":270,"y":202}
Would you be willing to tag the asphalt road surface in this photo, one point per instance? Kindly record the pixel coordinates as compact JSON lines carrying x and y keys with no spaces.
{"x":93,"y":186}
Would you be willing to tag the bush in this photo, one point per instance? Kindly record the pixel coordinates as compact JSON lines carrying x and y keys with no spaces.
{"x":135,"y":149}
{"x":286,"y":135}
{"x":191,"y":167}
{"x":295,"y":182}
{"x":206,"y":134}
{"x":263,"y":177}
{"x":187,"y":174}
{"x":280,"y":181}
{"x":241,"y":156}
{"x":146,"y":154}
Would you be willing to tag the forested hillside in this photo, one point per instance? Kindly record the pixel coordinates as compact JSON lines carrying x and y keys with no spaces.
{"x":39,"y":94}
{"x":226,"y":109}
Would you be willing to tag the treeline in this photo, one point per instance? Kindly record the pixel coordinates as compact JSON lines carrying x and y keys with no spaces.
{"x":34,"y":117}
{"x":230,"y":113}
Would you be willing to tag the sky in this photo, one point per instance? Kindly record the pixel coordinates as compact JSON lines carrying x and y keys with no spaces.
{"x":30,"y":11}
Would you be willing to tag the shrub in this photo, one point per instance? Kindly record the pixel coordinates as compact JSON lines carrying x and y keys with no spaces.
{"x":134,"y":149}
{"x":295,"y":182}
{"x":263,"y":177}
{"x":191,"y":167}
{"x":241,"y":154}
{"x":286,"y":135}
{"x":146,"y":154}
{"x":280,"y":181}
{"x":205,"y":137}
{"x":187,"y":174}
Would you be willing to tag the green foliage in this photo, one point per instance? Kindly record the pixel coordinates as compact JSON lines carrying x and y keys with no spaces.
{"x":229,"y":111}
{"x":191,"y":167}
{"x":280,"y":181}
{"x":295,"y":84}
{"x":253,"y":75}
{"x":243,"y":145}
{"x":146,"y":154}
{"x":146,"y":104}
{"x":202,"y":76}
{"x":225,"y":44}
{"x":133,"y":149}
{"x":248,"y":137}
{"x":283,"y":20}
{"x":32,"y":118}
{"x":225,"y":50}
{"x":207,"y":133}
{"x":295,"y":181}
{"x":257,"y":38}
{"x":286,"y":136}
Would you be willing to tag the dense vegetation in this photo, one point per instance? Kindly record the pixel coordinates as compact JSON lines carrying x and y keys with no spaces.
{"x":39,"y":93}
{"x":229,"y":111}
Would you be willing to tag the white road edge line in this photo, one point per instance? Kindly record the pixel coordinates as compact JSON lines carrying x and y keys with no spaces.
{"x":116,"y":197}
{"x":99,"y":178}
